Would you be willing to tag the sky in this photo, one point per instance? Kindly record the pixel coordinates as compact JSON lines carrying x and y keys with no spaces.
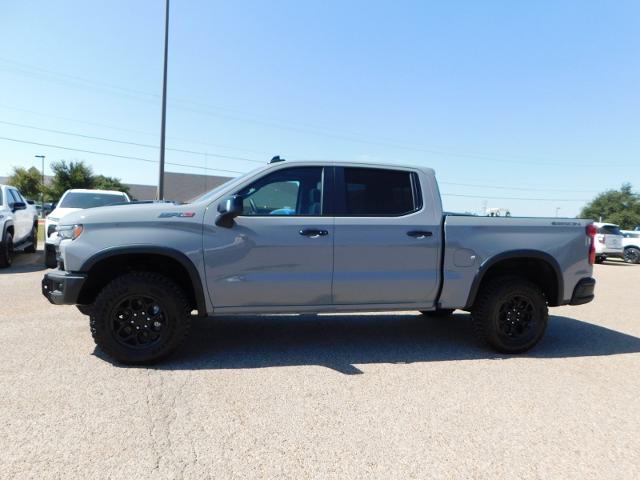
{"x":530,"y":106}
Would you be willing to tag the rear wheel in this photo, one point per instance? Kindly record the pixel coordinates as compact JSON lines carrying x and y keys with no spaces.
{"x":6,"y":250}
{"x":632,"y":255}
{"x":33,"y":238}
{"x":140,"y":318}
{"x":510,"y":314}
{"x":600,"y":259}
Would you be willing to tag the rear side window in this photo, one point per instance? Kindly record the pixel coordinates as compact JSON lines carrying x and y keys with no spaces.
{"x":609,"y":230}
{"x":379,"y":192}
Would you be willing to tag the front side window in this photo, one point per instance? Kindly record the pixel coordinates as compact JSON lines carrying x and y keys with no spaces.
{"x":379,"y":192}
{"x":290,"y":191}
{"x":14,"y":196}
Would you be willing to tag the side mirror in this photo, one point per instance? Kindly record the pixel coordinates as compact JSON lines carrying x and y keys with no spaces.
{"x":229,"y":209}
{"x":18,"y":206}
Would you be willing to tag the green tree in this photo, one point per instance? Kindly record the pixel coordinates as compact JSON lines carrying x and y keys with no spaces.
{"x":109,"y":183}
{"x":70,"y":175}
{"x":621,"y":207}
{"x":29,"y":182}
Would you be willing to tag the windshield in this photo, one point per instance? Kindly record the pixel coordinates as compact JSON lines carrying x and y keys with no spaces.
{"x":91,"y":199}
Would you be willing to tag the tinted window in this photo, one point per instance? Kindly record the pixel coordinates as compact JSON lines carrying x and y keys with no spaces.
{"x":14,"y":196}
{"x":291,"y":191}
{"x":90,"y":200}
{"x":376,"y":191}
{"x":610,"y":230}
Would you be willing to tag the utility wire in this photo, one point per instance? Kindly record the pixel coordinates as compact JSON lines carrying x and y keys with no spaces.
{"x":127,"y":157}
{"x":128,"y":130}
{"x":62,"y":132}
{"x":305,"y":128}
{"x":516,"y":198}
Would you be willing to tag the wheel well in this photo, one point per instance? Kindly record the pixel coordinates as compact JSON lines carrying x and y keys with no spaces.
{"x":535,"y":270}
{"x":10,"y":230}
{"x":105,"y":270}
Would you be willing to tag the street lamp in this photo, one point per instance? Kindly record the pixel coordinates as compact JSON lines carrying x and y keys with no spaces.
{"x":41,"y":157}
{"x":164,"y":103}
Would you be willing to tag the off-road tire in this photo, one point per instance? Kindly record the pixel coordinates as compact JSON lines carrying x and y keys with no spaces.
{"x":489,"y":314}
{"x":632,"y":255}
{"x":439,"y":313}
{"x":6,"y":250}
{"x":33,"y":239}
{"x":50,"y":260}
{"x":165,"y":293}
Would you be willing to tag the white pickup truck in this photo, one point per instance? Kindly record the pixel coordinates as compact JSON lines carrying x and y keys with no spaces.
{"x":303,"y":237}
{"x":18,"y":224}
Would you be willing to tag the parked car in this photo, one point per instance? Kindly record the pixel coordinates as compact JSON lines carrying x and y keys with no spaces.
{"x":72,"y":201}
{"x":631,"y":245}
{"x":296,"y":237}
{"x":18,"y":224}
{"x":608,"y":241}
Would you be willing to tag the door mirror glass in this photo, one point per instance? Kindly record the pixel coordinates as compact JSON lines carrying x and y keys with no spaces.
{"x":229,"y":209}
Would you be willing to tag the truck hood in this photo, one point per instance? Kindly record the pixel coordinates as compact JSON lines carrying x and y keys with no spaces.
{"x":132,"y":212}
{"x":59,"y":213}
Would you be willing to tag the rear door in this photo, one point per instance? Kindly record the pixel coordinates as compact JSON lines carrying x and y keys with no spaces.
{"x":387,"y":238}
{"x":612,"y":237}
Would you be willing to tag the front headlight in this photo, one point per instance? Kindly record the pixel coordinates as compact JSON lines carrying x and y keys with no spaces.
{"x":69,"y":231}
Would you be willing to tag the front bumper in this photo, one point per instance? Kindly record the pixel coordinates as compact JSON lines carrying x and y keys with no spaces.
{"x":583,"y":293}
{"x":62,"y":288}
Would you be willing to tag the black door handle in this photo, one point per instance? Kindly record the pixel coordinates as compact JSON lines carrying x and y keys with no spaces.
{"x":419,"y":234}
{"x":313,"y":232}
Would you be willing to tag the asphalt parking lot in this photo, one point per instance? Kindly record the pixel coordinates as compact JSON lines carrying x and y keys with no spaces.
{"x":341,"y":396}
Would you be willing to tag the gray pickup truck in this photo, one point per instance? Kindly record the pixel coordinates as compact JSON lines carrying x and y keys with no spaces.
{"x":304,"y":237}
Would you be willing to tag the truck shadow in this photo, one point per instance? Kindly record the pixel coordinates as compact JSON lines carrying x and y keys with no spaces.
{"x":341,"y":342}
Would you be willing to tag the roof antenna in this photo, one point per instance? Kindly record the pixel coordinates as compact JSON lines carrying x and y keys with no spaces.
{"x":276,"y":159}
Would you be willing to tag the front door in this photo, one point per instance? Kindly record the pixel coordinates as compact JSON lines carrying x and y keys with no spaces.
{"x":279,"y":252}
{"x":387,"y":239}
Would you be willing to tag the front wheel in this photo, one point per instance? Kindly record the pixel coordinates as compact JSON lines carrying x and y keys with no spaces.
{"x":140,"y":318}
{"x":632,"y":255}
{"x":510,"y":314}
{"x":6,"y":250}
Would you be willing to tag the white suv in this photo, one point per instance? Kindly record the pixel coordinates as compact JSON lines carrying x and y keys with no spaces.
{"x":608,"y":241}
{"x":18,"y":224}
{"x":631,"y":245}
{"x":72,"y":201}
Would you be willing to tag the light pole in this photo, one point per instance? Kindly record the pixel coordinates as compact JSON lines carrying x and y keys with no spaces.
{"x":164,"y":103}
{"x":41,"y":157}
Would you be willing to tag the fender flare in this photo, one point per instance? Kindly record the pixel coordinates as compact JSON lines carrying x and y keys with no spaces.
{"x":7,"y":224}
{"x":172,"y":253}
{"x":515,"y":254}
